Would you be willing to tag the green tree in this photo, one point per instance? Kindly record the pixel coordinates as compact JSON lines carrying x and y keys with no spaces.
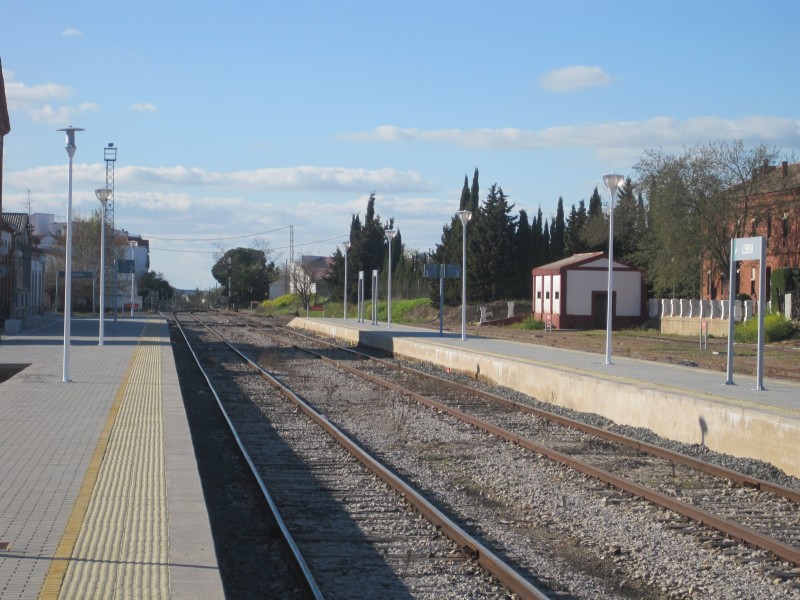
{"x":595,"y":231}
{"x":574,"y":236}
{"x":155,"y":290}
{"x":522,"y":257}
{"x":698,"y":200}
{"x":450,"y":249}
{"x":558,"y":233}
{"x":626,"y":213}
{"x":245,"y":275}
{"x":490,"y":273}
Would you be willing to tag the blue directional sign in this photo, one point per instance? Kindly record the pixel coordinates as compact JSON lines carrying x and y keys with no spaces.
{"x":125,"y":266}
{"x":78,"y":275}
{"x":439,"y":271}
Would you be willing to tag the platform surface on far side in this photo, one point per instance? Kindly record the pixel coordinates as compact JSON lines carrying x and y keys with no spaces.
{"x":99,"y":491}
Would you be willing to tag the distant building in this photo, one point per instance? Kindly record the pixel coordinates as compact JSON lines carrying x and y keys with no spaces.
{"x":775,"y":210}
{"x":572,"y":293}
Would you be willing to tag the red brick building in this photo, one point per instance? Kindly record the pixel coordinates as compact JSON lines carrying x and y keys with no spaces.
{"x":776,"y":217}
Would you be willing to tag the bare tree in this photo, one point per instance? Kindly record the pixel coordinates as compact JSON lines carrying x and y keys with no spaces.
{"x":698,"y":200}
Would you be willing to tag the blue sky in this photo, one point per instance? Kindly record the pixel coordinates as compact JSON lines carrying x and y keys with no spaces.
{"x":240,"y":118}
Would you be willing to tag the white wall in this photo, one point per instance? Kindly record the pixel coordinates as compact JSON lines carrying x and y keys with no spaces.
{"x":581,"y":284}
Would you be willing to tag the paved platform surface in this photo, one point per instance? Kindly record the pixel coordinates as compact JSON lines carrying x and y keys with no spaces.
{"x":779,"y":404}
{"x":99,"y":491}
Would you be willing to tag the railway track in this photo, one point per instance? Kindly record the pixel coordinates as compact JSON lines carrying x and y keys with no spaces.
{"x":745,"y":508}
{"x":351,"y":535}
{"x":739,"y":507}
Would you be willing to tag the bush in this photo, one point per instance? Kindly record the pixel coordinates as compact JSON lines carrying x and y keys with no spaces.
{"x":776,"y":328}
{"x":529,"y":324}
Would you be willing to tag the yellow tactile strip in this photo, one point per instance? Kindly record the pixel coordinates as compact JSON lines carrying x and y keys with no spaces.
{"x":116,"y":543}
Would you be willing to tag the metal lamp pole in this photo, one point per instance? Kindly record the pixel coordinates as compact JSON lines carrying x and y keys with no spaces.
{"x":346,"y":246}
{"x":390,"y":233}
{"x":103,"y":195}
{"x":70,"y":147}
{"x":613,"y":183}
{"x":465,"y":216}
{"x":133,"y":244}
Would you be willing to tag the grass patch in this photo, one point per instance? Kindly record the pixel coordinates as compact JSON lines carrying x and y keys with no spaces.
{"x":529,"y":324}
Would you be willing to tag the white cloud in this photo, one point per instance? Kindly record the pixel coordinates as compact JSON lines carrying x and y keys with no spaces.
{"x":41,"y":102}
{"x":143,"y":107}
{"x":572,"y":79}
{"x":290,"y":178}
{"x":654,"y":132}
{"x":70,"y":32}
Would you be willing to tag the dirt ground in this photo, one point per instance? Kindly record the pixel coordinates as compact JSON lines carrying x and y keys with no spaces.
{"x":781,"y":360}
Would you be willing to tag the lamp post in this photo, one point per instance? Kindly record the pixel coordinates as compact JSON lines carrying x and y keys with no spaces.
{"x":133,"y":244}
{"x":346,"y":246}
{"x":390,"y":233}
{"x":613,"y":183}
{"x":465,"y":216}
{"x":103,"y":194}
{"x":70,"y":147}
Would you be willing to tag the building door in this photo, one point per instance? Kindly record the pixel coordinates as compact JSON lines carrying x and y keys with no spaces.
{"x":599,"y":308}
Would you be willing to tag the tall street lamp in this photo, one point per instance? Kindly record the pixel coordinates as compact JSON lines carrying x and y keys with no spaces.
{"x":613,"y":183}
{"x":70,"y":147}
{"x":103,"y":194}
{"x":346,"y":246}
{"x":390,"y":233}
{"x":133,"y":244}
{"x":465,"y":216}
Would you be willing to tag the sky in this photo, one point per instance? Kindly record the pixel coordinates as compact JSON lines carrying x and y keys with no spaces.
{"x":254,"y":123}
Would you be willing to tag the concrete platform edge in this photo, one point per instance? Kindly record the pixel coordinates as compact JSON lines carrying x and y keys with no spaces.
{"x":724,"y":425}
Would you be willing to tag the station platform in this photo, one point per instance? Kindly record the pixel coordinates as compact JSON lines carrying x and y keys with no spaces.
{"x":99,"y":490}
{"x":686,"y":404}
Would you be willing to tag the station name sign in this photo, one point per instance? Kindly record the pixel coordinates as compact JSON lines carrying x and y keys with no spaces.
{"x":747,"y":248}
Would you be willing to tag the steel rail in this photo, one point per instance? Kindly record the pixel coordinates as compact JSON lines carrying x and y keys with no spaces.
{"x":735,"y":530}
{"x":740,"y":479}
{"x":503,"y":572}
{"x":308,"y":577}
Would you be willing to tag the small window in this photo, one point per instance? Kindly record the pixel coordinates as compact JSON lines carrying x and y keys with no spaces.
{"x":538,"y":294}
{"x":547,"y":295}
{"x":555,"y":294}
{"x":769,"y":226}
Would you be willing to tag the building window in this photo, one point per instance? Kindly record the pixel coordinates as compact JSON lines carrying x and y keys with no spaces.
{"x":555,"y":295}
{"x":769,"y":226}
{"x":785,"y":226}
{"x":547,"y":295}
{"x":538,"y":294}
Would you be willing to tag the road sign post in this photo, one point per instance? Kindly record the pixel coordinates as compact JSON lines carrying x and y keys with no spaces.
{"x":442,"y":272}
{"x":752,"y":248}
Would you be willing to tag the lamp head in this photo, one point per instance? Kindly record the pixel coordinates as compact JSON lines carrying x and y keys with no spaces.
{"x":613,"y":182}
{"x":103,"y":194}
{"x":70,"y":134}
{"x":133,"y":243}
{"x":346,"y":245}
{"x":390,"y":233}
{"x":465,"y":216}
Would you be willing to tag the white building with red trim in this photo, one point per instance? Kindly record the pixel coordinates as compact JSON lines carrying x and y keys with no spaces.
{"x":571,"y":293}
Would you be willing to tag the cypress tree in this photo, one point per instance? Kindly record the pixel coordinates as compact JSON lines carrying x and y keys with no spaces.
{"x":491,"y":270}
{"x":557,"y":232}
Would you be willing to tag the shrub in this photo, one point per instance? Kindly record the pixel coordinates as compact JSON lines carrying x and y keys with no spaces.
{"x":776,"y":328}
{"x":530,"y":324}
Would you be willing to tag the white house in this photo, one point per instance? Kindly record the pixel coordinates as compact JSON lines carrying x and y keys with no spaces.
{"x":572,"y":293}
